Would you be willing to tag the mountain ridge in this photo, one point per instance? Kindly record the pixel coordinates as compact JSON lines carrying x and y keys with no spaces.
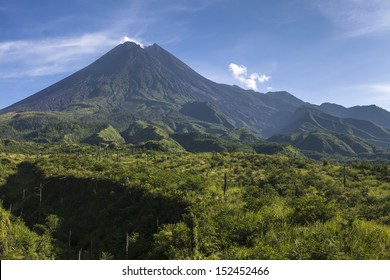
{"x":130,"y":84}
{"x":372,"y":113}
{"x":307,"y":119}
{"x":128,"y":78}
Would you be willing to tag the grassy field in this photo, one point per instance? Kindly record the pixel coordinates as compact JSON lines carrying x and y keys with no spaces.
{"x":63,"y":202}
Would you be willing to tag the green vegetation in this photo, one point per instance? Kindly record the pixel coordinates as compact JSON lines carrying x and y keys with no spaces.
{"x":356,"y":130}
{"x":317,"y":144}
{"x":205,"y":111}
{"x":80,"y":201}
{"x":107,"y":135}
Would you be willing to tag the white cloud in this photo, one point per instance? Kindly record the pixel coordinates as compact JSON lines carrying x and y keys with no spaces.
{"x":254,"y":76}
{"x":30,"y":58}
{"x":263,"y":78}
{"x":250,"y":83}
{"x":237,"y":70}
{"x":240,"y":73}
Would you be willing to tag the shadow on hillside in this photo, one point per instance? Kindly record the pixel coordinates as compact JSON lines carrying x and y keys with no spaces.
{"x":96,"y":214}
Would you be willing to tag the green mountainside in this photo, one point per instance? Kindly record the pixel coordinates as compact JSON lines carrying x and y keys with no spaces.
{"x":308,"y":119}
{"x":369,"y":113}
{"x":322,"y":142}
{"x":107,"y":135}
{"x":148,"y":97}
{"x":131,"y":83}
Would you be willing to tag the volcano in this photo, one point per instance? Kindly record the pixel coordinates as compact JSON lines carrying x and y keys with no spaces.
{"x":131,"y":83}
{"x":133,"y":93}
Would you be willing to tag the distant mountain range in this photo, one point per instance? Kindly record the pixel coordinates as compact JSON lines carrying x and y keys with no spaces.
{"x":137,"y":95}
{"x":369,"y":113}
{"x":308,"y":119}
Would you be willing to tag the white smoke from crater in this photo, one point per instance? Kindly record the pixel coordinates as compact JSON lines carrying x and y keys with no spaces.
{"x":128,"y":39}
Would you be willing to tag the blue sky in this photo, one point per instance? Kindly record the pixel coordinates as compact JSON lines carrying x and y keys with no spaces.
{"x":335,"y":50}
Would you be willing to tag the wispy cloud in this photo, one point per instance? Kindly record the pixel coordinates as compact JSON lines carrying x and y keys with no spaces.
{"x":42,"y":57}
{"x":357,"y":17}
{"x":143,"y":18}
{"x":379,"y":92}
{"x":361,"y":94}
{"x":28,"y":58}
{"x":240,"y":73}
{"x":385,"y":88}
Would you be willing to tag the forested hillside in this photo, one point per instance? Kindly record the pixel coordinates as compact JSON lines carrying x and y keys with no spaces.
{"x":90,"y":202}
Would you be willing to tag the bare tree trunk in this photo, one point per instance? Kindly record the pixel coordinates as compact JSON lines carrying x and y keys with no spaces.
{"x":345,"y":177}
{"x":40,"y":194}
{"x":127,"y":245}
{"x":224,"y":184}
{"x":99,"y":152}
{"x":70,"y":238}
